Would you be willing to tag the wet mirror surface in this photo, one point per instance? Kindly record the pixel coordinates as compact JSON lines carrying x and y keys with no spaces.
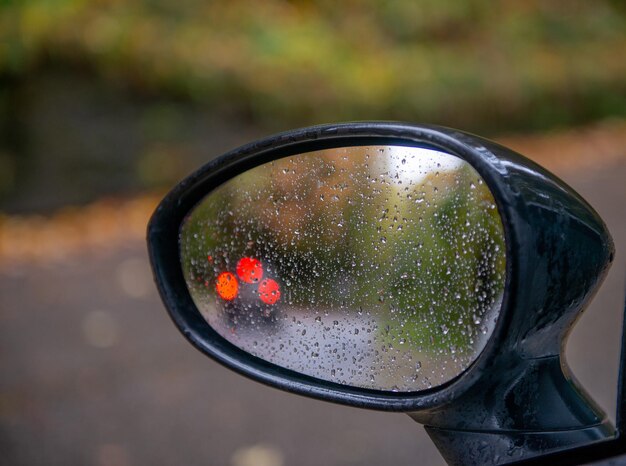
{"x":380,"y":267}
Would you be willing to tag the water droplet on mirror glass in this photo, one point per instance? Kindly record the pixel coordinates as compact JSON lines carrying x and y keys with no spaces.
{"x":378,"y":267}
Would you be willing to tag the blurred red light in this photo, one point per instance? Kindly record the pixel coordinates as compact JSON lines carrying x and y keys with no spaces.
{"x":227,"y":286}
{"x":269,"y":291}
{"x":250,"y":270}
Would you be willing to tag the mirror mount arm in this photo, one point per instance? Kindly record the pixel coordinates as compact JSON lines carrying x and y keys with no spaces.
{"x":527,"y":408}
{"x":479,"y":448}
{"x":576,"y":445}
{"x":621,"y":384}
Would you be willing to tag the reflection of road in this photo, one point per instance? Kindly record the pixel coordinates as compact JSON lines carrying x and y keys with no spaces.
{"x":348,"y":347}
{"x":336,"y":346}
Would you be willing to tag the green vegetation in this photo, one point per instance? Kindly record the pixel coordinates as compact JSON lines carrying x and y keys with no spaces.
{"x":119,"y":96}
{"x":485,"y":66}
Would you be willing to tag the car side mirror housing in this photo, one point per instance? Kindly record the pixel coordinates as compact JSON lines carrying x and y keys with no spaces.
{"x":395,"y":267}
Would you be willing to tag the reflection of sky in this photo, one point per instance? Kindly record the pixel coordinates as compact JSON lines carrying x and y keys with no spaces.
{"x":413,"y":164}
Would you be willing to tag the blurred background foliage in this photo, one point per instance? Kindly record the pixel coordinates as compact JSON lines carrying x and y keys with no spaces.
{"x":112,"y":96}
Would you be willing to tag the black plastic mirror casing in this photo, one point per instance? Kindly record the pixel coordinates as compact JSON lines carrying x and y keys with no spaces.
{"x":518,"y":400}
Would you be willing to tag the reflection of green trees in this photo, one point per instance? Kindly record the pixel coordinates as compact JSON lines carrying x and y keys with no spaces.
{"x":427,"y":256}
{"x":452,"y":271}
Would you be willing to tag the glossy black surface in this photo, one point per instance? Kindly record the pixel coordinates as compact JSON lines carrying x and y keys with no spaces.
{"x":558,"y":252}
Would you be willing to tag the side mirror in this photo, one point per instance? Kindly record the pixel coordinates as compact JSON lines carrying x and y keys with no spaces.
{"x":394,"y":267}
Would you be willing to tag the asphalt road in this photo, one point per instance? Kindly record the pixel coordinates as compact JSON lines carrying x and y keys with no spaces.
{"x":94,"y":373}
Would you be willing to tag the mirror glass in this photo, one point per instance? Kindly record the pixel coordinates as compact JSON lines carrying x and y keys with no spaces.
{"x":380,"y":267}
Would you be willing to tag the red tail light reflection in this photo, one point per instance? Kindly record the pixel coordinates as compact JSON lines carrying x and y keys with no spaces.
{"x":249,"y":270}
{"x":269,"y":291}
{"x":226,"y":286}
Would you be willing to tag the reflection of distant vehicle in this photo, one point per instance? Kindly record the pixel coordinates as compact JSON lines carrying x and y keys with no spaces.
{"x":248,"y":298}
